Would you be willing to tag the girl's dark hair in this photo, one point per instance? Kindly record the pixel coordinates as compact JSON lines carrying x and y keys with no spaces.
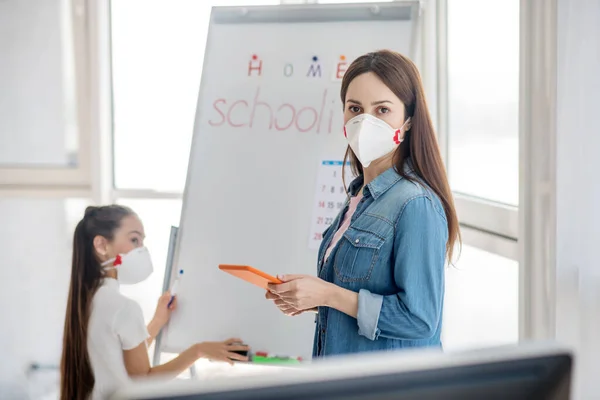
{"x":420,"y":144}
{"x":77,"y":377}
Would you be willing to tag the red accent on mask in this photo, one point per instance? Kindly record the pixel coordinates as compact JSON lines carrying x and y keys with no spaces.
{"x":345,"y":135}
{"x":118,"y":260}
{"x":397,"y":136}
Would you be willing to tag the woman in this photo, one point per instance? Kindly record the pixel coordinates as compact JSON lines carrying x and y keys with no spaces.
{"x":105,"y":339}
{"x":380,"y":283}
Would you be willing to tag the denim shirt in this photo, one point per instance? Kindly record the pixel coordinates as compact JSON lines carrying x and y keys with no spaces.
{"x":393,"y":255}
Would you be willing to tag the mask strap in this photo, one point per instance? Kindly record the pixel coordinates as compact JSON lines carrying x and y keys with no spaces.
{"x":398,"y":131}
{"x":116,"y":262}
{"x":405,"y":122}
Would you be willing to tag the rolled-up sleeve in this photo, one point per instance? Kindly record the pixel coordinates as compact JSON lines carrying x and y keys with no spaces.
{"x":369,"y":308}
{"x":419,"y":258}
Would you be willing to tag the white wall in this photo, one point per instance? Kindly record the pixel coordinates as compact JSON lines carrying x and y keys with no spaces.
{"x":578,"y":188}
{"x":35,"y":248}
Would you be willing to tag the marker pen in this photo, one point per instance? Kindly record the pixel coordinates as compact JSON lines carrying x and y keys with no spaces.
{"x":174,"y":287}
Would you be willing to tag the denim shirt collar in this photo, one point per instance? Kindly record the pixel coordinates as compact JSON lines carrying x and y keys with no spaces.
{"x":383,"y":182}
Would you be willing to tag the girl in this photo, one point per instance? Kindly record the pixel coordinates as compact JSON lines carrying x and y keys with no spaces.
{"x":380,"y":281}
{"x":105,"y":338}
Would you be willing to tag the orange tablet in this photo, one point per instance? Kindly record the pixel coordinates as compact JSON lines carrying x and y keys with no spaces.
{"x":249,"y":274}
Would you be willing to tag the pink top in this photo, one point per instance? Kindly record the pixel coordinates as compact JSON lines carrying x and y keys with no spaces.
{"x":345,"y":224}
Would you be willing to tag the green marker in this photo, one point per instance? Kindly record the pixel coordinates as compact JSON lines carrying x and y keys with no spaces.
{"x":274,"y":360}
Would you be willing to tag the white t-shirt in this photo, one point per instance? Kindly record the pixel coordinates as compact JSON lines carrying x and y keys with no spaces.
{"x":116,"y":324}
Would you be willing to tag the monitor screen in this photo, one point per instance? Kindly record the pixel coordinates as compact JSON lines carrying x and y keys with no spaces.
{"x":527,"y":376}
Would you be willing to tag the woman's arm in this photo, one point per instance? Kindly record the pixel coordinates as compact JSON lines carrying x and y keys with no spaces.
{"x":307,"y":293}
{"x":414,"y":312}
{"x":343,"y":300}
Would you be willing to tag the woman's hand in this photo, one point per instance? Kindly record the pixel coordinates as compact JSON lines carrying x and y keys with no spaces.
{"x":285,"y":307}
{"x":223,"y":351}
{"x":163,"y":310}
{"x":299,"y":293}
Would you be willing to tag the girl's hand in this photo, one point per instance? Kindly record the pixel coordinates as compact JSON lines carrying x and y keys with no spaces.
{"x":223,"y":351}
{"x":163,"y":310}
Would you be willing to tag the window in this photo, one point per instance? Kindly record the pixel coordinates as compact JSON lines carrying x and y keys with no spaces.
{"x":156,"y":78}
{"x":482,"y":301}
{"x":479,"y":129}
{"x":155,"y":85}
{"x":40,"y":99}
{"x":479,"y":107}
{"x":483,"y":98}
{"x":40,"y":141}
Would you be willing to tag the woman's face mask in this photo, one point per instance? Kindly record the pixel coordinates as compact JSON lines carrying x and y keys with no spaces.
{"x":133,"y":267}
{"x":371,"y":138}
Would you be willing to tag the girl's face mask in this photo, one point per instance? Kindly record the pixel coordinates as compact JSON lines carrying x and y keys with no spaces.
{"x":133,"y":267}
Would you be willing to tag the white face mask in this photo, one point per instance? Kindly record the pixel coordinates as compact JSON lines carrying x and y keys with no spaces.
{"x":133,"y":267}
{"x":371,"y":138}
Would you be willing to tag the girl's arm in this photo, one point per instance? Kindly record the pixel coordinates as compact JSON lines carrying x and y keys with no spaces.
{"x":161,"y":316}
{"x":137,"y":361}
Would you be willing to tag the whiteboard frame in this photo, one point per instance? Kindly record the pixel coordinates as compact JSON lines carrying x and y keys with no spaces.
{"x":409,"y":10}
{"x":302,"y":13}
{"x":166,"y":285}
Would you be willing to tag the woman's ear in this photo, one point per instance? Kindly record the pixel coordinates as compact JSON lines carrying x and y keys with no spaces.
{"x":408,"y":124}
{"x":101,"y":247}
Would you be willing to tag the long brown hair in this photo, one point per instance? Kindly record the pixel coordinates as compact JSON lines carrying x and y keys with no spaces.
{"x":76,"y":375}
{"x":420,"y":145}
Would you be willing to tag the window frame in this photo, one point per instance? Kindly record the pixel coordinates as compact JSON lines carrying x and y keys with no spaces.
{"x":539,"y":70}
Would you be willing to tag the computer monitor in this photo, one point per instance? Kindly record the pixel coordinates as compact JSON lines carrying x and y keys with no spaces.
{"x":528,"y":372}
